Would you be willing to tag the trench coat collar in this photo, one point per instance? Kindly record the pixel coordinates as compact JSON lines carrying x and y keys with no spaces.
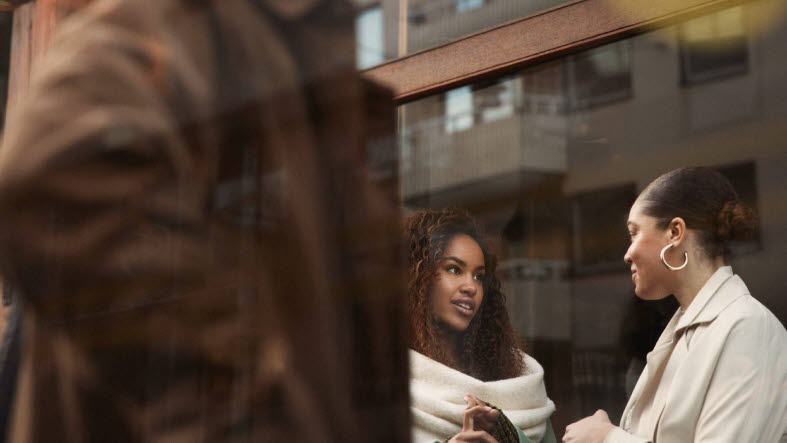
{"x":710,"y":301}
{"x":705,"y":307}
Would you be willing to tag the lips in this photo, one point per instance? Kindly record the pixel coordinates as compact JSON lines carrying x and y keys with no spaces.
{"x":464,"y":306}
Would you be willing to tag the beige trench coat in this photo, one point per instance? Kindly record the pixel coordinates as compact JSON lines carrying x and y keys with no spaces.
{"x":202,"y":256}
{"x":732,"y":385}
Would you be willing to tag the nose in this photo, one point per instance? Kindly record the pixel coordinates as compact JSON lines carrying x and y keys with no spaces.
{"x":627,"y":257}
{"x":469,"y":286}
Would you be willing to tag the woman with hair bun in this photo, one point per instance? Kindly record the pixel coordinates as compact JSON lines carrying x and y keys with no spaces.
{"x":718,"y":373}
{"x":464,"y":351}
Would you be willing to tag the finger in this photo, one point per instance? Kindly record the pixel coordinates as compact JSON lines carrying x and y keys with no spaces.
{"x":601,"y":414}
{"x":568,"y":437}
{"x":467,"y":420}
{"x":471,"y":401}
{"x":474,"y":399}
{"x":472,"y":415}
{"x":479,"y":412}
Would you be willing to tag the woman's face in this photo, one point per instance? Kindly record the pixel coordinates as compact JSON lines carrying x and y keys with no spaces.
{"x":651,"y":278}
{"x":458,"y":289}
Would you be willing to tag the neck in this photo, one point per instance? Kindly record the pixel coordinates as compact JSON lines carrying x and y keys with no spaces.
{"x":451,"y":342}
{"x":694,"y":279}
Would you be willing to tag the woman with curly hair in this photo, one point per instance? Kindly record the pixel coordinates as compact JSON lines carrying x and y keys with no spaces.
{"x":463,"y":345}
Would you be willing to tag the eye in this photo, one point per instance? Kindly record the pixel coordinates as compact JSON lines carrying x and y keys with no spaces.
{"x":479,"y":277}
{"x":453,"y":270}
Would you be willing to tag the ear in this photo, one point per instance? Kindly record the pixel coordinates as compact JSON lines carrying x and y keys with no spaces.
{"x":677,"y":231}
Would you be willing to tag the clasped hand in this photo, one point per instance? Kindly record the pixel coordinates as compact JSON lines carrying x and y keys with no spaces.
{"x":477,"y":422}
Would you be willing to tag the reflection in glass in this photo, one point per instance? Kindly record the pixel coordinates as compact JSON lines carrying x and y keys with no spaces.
{"x":549,"y":160}
{"x":369,"y":34}
{"x":408,"y":26}
{"x":599,"y":76}
{"x":434,"y":22}
{"x":468,"y":5}
{"x":458,"y":109}
{"x":713,"y":47}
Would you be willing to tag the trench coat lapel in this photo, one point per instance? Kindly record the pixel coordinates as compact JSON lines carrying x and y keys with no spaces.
{"x":655,"y":359}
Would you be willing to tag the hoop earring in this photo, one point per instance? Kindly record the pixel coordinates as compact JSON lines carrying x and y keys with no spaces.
{"x":674,"y":268}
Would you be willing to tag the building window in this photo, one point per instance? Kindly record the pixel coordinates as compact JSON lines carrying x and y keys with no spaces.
{"x":369,"y":35}
{"x":743,"y":177}
{"x":416,"y":16}
{"x":458,"y":109}
{"x":713,"y":47}
{"x":481,"y":103}
{"x":468,"y":5}
{"x":599,"y":220}
{"x":599,"y":77}
{"x":543,"y":92}
{"x":495,"y":101}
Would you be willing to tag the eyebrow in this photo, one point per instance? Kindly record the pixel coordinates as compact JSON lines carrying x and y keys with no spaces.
{"x":456,"y":259}
{"x":462,"y":262}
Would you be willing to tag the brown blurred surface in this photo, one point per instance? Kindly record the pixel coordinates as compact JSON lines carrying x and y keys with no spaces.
{"x":202,"y":251}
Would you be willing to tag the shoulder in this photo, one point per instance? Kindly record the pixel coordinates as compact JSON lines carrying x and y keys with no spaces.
{"x":745,"y":311}
{"x":750,"y":328}
{"x":530,"y":366}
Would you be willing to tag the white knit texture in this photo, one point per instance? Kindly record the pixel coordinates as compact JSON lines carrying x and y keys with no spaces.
{"x":438,"y":393}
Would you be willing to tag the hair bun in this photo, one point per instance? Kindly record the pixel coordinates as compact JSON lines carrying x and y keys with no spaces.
{"x":737,"y":221}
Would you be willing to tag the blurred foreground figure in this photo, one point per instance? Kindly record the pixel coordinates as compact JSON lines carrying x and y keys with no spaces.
{"x":201,"y":255}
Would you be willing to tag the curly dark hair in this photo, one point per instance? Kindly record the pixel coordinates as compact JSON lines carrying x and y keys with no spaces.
{"x":490,"y":349}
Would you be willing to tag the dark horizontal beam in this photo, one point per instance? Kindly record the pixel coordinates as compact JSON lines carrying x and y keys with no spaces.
{"x":557,"y":31}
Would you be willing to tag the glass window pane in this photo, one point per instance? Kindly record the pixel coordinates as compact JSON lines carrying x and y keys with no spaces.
{"x":468,"y":5}
{"x":714,"y":47}
{"x":408,"y":26}
{"x":369,"y":33}
{"x":458,"y":109}
{"x":555,"y":155}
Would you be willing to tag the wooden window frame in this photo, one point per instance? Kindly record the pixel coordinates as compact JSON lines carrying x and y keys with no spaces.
{"x":548,"y":34}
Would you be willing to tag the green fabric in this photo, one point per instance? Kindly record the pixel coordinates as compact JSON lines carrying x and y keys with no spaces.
{"x":549,"y":435}
{"x":522,"y":437}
